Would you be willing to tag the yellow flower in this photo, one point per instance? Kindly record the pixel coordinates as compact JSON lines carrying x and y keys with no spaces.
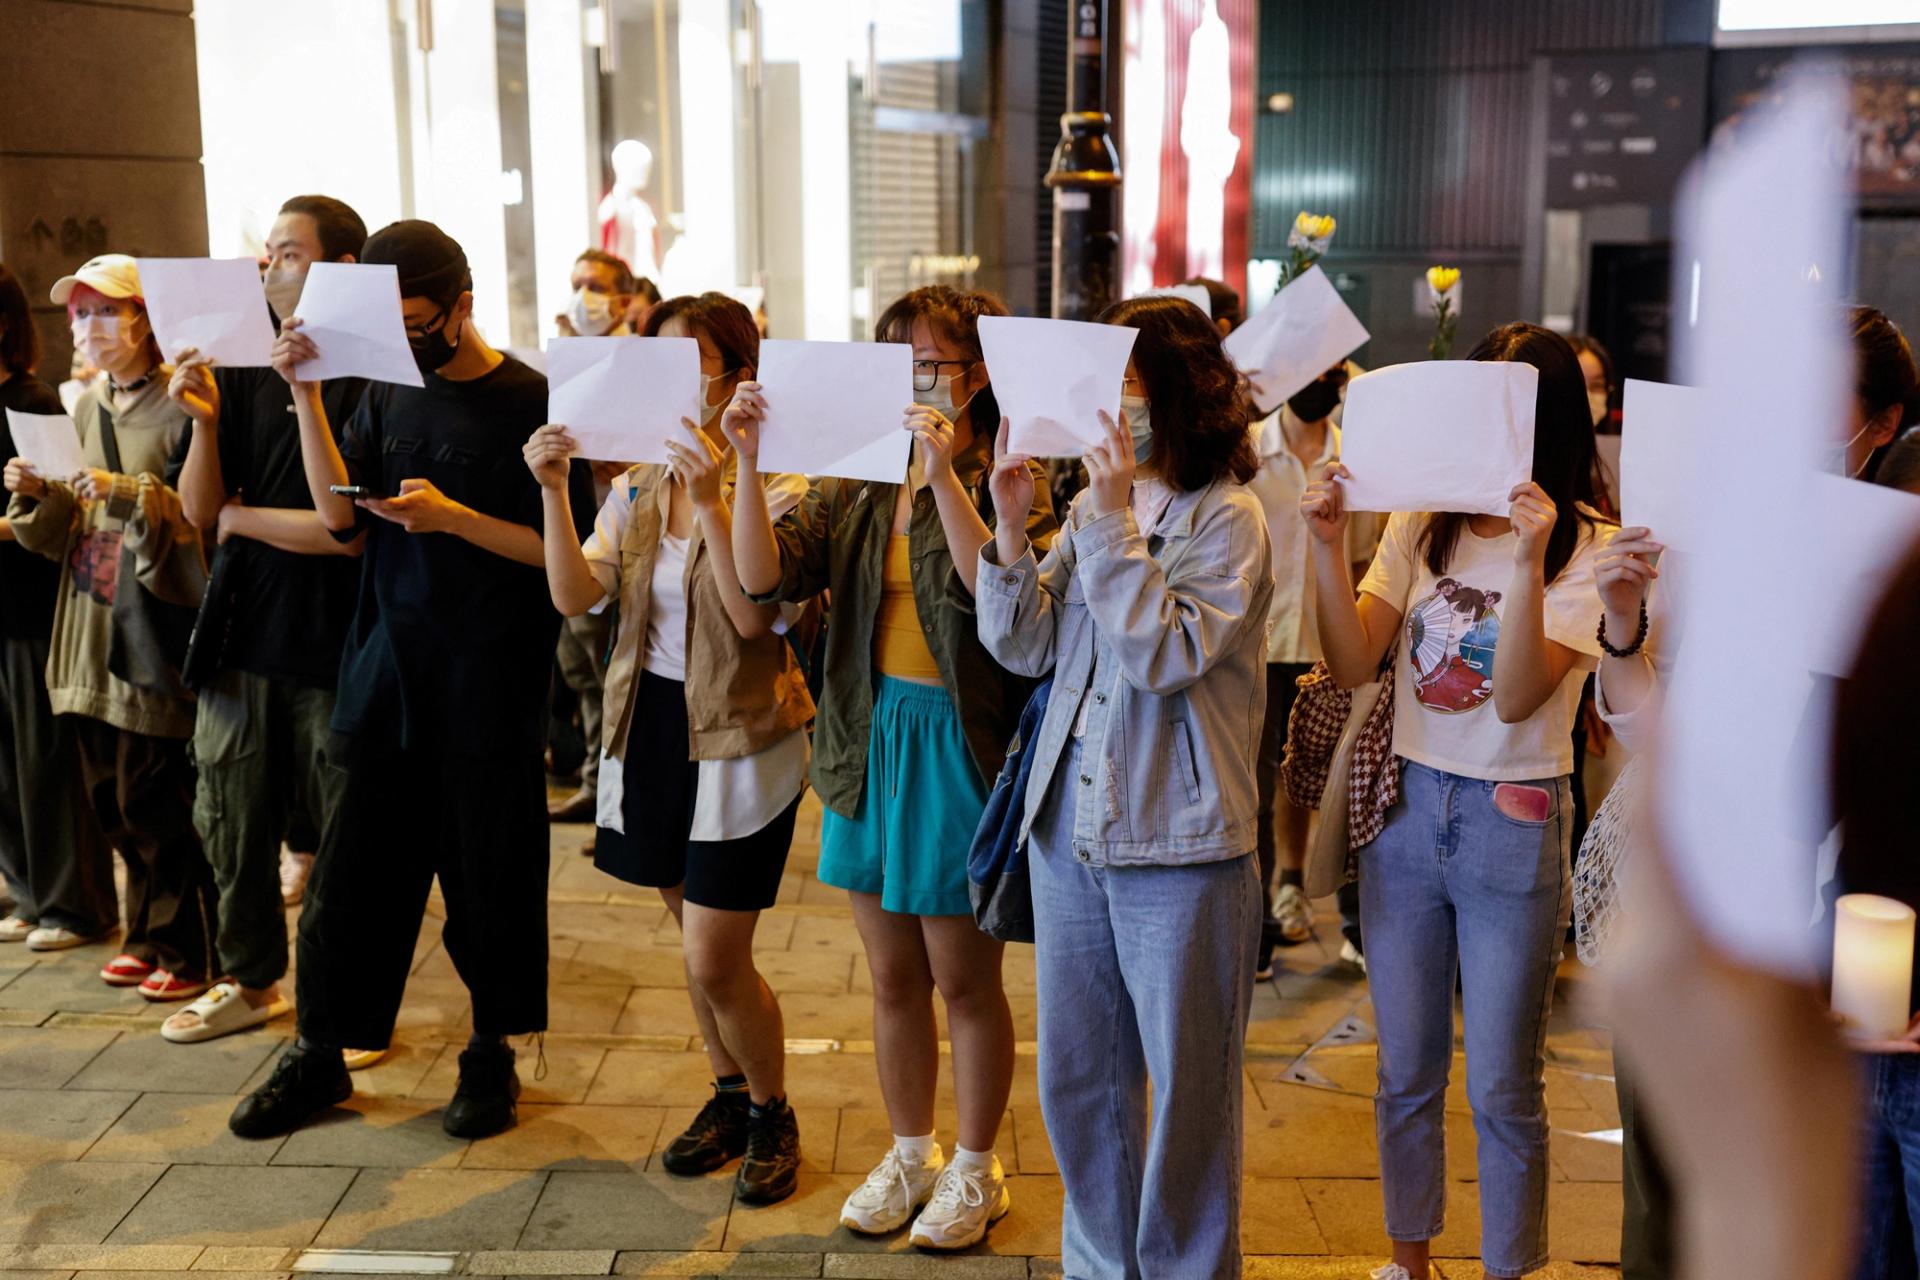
{"x":1313,"y":226}
{"x":1441,"y":279}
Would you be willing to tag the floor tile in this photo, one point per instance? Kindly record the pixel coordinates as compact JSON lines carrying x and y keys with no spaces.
{"x":69,"y":1203}
{"x":46,"y":1057}
{"x":42,"y":1125}
{"x":602,"y":1139}
{"x":376,"y":1133}
{"x":629,"y":1210}
{"x":148,"y":1064}
{"x":228,"y":1205}
{"x":412,"y":1209}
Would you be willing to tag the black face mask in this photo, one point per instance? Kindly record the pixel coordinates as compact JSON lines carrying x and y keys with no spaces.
{"x":1315,"y":401}
{"x":431,"y":351}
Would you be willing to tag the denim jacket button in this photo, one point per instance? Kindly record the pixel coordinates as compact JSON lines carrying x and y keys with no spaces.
{"x":1009,"y":579}
{"x":1080,"y":854}
{"x":1085,"y":781}
{"x":1100,"y":698}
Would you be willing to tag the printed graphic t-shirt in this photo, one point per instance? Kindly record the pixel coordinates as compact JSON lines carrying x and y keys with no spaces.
{"x":1443,"y":714}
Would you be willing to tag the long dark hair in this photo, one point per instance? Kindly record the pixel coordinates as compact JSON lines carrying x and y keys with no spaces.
{"x":726,"y":322}
{"x":1199,"y":418}
{"x":1563,"y":446}
{"x":1885,"y":374}
{"x":19,"y":340}
{"x":954,"y":315}
{"x":1873,"y":748}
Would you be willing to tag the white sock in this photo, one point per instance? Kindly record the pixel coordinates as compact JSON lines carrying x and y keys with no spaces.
{"x":918,"y":1150}
{"x":965,"y":1159}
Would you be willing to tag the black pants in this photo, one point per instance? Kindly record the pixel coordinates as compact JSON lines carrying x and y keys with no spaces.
{"x":141,"y":788}
{"x":51,"y":848}
{"x":1646,"y":1194}
{"x":1282,"y":690}
{"x":478,"y":823}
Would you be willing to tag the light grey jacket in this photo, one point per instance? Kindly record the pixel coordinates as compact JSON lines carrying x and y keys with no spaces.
{"x":1167,"y":636}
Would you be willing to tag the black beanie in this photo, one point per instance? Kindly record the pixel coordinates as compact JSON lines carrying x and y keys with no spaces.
{"x":430,"y":262}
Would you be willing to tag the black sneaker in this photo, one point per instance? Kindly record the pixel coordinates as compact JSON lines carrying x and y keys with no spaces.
{"x":718,"y":1134}
{"x":772,"y":1167}
{"x":483,"y":1104}
{"x":304,"y":1083}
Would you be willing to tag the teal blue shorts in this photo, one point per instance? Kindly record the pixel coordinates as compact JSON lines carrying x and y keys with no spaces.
{"x":908,"y":840}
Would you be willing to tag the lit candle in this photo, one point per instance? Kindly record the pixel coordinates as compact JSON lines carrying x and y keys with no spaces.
{"x":1872,"y":965}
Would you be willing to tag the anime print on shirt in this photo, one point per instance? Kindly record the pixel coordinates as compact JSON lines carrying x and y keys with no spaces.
{"x":1451,"y":638}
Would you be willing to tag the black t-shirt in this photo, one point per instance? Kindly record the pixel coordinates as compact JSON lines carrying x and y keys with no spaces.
{"x":289,"y":612}
{"x":27,"y":581}
{"x":451,"y":645}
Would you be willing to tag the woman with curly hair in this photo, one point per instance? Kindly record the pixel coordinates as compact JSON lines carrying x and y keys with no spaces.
{"x":1150,"y":615}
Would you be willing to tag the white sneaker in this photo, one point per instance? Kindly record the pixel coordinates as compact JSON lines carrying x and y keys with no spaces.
{"x":1351,"y":954}
{"x":892,"y":1192}
{"x":965,"y":1202}
{"x":1393,"y":1270}
{"x":1294,"y":914}
{"x":52,"y":937}
{"x":294,"y":870}
{"x":14,"y":929}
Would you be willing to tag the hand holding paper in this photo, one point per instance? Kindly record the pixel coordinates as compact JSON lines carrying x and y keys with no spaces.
{"x":833,"y":408}
{"x":49,"y":441}
{"x":1053,"y":379}
{"x":351,"y":313}
{"x":1439,"y":435}
{"x":1660,"y":427}
{"x":621,"y":399}
{"x":1302,"y":333}
{"x":212,"y":306}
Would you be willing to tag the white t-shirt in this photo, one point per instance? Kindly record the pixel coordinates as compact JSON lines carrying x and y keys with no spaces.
{"x":667,"y":610}
{"x":1443,"y":714}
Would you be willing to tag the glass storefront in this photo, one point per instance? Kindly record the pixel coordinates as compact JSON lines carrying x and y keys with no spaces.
{"x":824,"y":155}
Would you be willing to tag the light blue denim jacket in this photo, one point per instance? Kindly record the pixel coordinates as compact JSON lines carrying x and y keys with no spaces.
{"x":1167,"y":636}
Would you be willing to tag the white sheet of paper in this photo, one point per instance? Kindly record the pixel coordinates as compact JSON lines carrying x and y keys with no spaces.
{"x":1053,"y":378}
{"x":836,"y":408}
{"x":1660,"y":427}
{"x":49,"y":441}
{"x":214,"y":305}
{"x":1439,"y":435}
{"x":620,"y":398}
{"x":1194,"y":293}
{"x":351,"y":310}
{"x":1305,"y":331}
{"x":1762,"y":336}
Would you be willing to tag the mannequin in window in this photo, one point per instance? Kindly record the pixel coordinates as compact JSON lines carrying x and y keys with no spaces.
{"x":628,"y":225}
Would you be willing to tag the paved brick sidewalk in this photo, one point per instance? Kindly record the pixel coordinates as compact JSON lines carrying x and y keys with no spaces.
{"x":114,"y":1154}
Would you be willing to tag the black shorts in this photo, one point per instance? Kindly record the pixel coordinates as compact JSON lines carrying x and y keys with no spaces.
{"x":658,"y":803}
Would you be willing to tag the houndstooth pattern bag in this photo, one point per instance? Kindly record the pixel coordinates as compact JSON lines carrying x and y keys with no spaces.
{"x":1340,"y":761}
{"x":1596,"y":880}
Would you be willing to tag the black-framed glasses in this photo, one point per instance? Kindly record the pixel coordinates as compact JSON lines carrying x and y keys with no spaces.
{"x":431,"y":327}
{"x":926,"y":373}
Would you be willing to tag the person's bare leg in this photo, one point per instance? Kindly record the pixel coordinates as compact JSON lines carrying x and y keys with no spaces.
{"x":906,"y":1043}
{"x":966,"y":970}
{"x":718,"y":947}
{"x":717,"y":1056}
{"x":1414,"y":1255}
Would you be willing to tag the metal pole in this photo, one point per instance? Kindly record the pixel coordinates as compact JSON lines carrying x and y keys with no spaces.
{"x":1085,"y":175}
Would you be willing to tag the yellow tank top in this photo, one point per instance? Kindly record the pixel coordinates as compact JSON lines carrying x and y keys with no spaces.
{"x":899,"y":642}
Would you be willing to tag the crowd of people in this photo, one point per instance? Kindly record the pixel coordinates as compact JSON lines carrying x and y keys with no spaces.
{"x":264,"y":601}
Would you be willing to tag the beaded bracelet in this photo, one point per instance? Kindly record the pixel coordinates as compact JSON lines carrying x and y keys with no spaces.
{"x":1639,"y":639}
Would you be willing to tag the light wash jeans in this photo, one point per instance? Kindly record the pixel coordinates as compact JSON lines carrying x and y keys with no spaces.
{"x":1142,"y":972}
{"x":1455,"y":884}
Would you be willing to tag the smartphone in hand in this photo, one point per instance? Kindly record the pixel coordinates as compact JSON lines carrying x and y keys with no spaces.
{"x":354,"y":491}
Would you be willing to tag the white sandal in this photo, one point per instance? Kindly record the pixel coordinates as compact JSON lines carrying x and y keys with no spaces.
{"x":14,"y":929}
{"x":220,"y":1012}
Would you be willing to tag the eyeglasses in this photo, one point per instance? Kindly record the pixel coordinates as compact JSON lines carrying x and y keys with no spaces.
{"x":1132,"y":385}
{"x":927,"y":372}
{"x":431,"y":327}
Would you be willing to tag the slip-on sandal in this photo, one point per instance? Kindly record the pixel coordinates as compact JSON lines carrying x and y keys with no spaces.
{"x":53,"y":937}
{"x":14,"y":929}
{"x":163,"y":986}
{"x":125,"y":971}
{"x":361,"y":1059}
{"x":220,"y":1012}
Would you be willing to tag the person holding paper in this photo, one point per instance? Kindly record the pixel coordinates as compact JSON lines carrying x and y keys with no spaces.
{"x":1149,"y":613}
{"x":131,"y":566}
{"x":439,"y":722}
{"x":914,"y":722}
{"x":270,"y":650}
{"x":51,"y":849}
{"x":1470,"y":874}
{"x":695,"y":662}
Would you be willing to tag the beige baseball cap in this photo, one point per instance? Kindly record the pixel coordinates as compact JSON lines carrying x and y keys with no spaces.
{"x":114,"y":274}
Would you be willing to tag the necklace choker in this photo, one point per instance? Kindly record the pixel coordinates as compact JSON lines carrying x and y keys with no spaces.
{"x":135,"y":385}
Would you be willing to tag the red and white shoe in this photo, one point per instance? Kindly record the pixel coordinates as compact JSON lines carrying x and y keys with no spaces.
{"x":164,"y":986}
{"x":125,"y":971}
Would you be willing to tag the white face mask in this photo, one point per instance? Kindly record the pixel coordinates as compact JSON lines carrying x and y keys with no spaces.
{"x":1139,"y":415}
{"x":941,"y":398}
{"x":1597,"y":402}
{"x":109,"y":344}
{"x":1837,"y":462}
{"x":709,"y":410}
{"x":591,"y":314}
{"x":283,"y":293}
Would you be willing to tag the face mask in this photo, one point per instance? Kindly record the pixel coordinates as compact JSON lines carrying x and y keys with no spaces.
{"x":1597,"y":403}
{"x":1140,"y":423}
{"x":591,"y":314}
{"x":108,"y":343}
{"x":708,"y":410}
{"x":283,"y":294}
{"x":941,"y":399}
{"x":1837,"y":464}
{"x":431,"y":351}
{"x":1313,"y":402}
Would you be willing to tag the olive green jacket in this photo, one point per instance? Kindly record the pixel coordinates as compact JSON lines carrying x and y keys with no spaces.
{"x":836,"y":540}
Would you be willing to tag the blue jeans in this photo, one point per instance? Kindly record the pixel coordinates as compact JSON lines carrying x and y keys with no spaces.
{"x":1454,"y":884}
{"x":1143,"y":974}
{"x":1890,"y":1153}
